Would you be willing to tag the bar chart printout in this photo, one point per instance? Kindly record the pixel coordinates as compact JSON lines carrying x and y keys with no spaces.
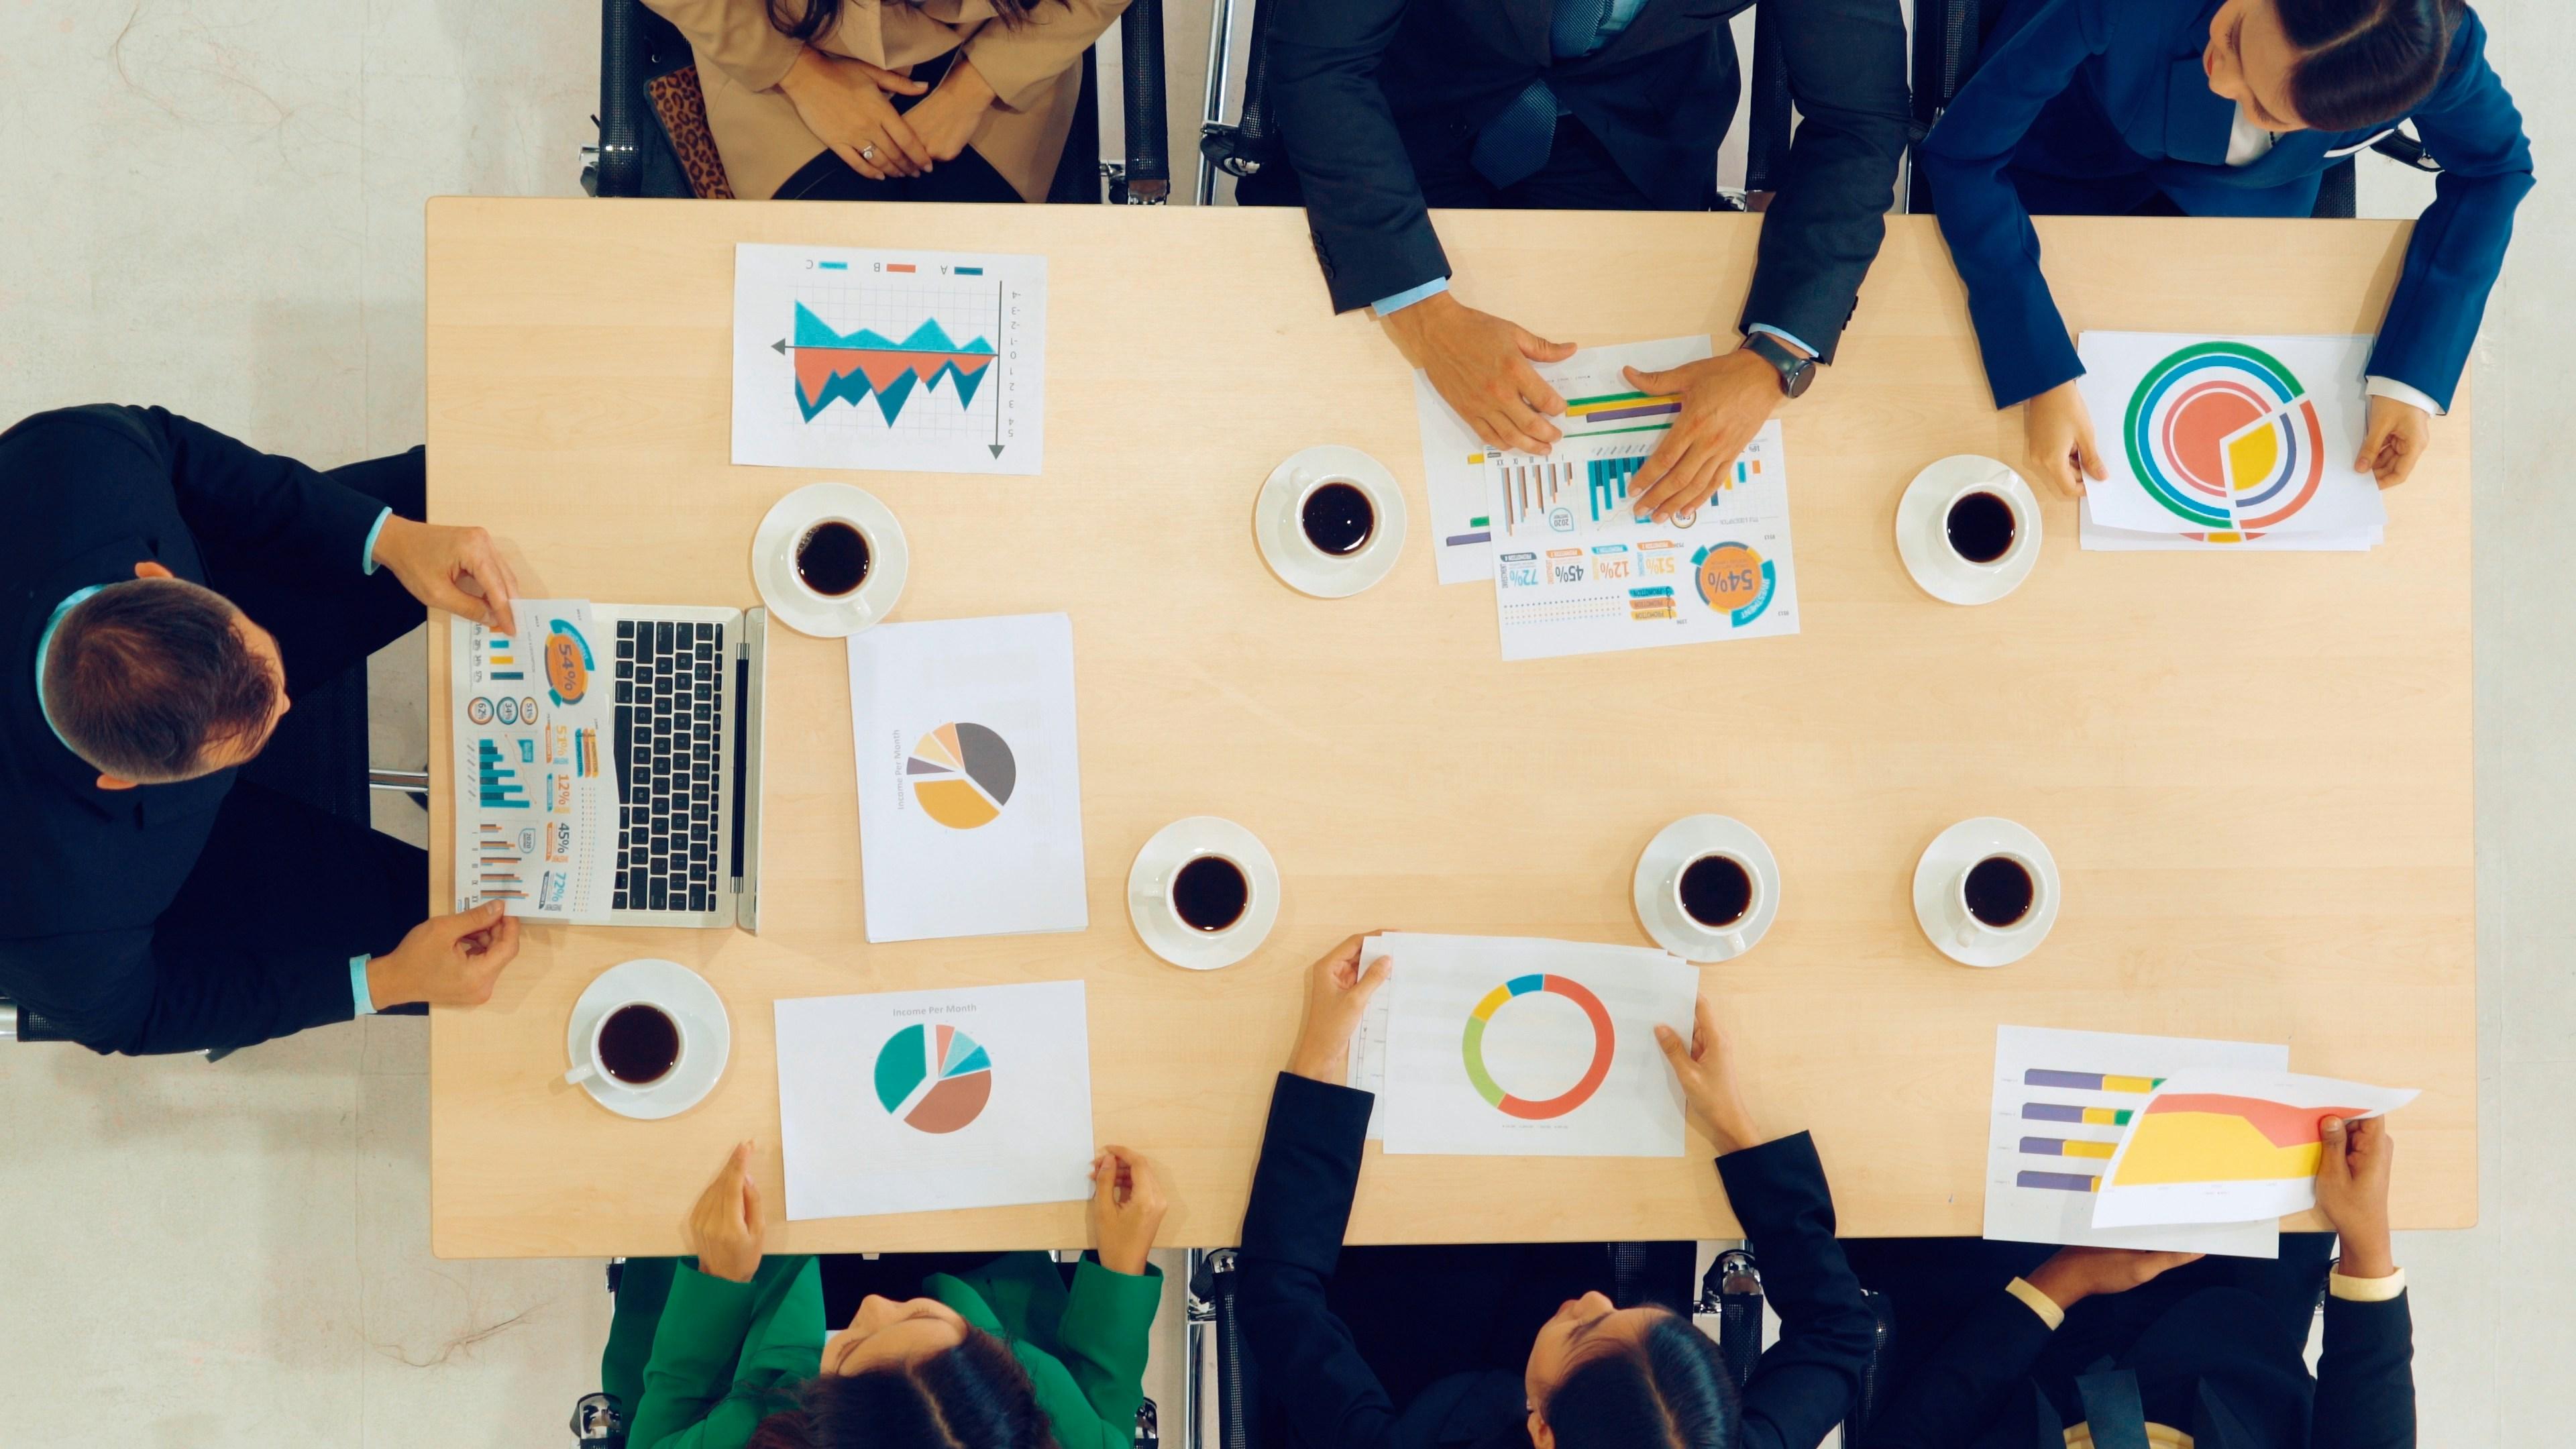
{"x":2062,"y":1099}
{"x":535,"y":816}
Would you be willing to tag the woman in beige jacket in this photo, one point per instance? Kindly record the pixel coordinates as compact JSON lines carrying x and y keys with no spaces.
{"x":890,"y":100}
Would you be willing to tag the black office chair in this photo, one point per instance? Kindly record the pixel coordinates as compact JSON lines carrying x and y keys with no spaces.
{"x":1948,"y":35}
{"x":634,"y":157}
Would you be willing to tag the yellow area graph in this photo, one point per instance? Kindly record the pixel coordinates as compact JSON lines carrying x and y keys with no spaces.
{"x":2208,"y":1147}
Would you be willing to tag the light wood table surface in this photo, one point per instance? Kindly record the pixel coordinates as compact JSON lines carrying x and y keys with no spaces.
{"x":2255,"y":772}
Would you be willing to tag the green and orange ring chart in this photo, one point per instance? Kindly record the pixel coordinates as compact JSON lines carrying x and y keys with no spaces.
{"x":1604,"y":1041}
{"x":2223,"y":434}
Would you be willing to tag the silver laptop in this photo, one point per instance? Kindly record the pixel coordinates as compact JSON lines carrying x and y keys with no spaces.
{"x":686,"y":755}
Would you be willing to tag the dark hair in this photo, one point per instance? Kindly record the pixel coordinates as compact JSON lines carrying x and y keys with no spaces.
{"x":1670,"y":1391}
{"x":805,"y":19}
{"x":2364,"y":63}
{"x":974,"y":1396}
{"x":143,"y":677}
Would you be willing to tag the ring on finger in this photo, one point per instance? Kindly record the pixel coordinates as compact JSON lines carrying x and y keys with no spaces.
{"x":868,"y":152}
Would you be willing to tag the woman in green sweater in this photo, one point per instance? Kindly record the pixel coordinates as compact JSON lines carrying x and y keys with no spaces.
{"x":728,"y":1350}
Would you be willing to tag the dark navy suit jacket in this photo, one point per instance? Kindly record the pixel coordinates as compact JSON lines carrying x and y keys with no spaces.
{"x":2075,"y":91}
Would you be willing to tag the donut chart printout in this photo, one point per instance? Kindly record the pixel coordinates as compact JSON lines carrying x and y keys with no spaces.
{"x":1516,"y":1047}
{"x":916,"y":1101}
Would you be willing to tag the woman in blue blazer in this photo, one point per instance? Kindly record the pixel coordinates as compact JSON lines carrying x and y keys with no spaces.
{"x":2223,"y":108}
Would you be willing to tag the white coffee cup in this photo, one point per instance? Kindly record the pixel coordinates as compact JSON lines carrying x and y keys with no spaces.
{"x":1974,"y":932}
{"x":1731,"y":933}
{"x":591,"y":1067}
{"x":2021,"y":525}
{"x":1308,"y":487}
{"x":1172,"y":896}
{"x":887,"y":555}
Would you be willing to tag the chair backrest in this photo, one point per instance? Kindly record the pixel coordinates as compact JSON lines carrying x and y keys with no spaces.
{"x":1243,"y":148}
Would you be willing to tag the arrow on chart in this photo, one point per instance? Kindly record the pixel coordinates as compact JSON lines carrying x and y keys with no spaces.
{"x":779,"y":347}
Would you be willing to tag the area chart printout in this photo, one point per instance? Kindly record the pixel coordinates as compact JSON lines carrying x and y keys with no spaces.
{"x":910,"y":361}
{"x":2062,"y":1099}
{"x":920,"y":1101}
{"x":536,"y":818}
{"x":1516,"y":1047}
{"x":2216,"y":1146}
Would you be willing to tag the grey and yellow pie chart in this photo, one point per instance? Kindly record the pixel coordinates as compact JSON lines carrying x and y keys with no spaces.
{"x":962,"y":774}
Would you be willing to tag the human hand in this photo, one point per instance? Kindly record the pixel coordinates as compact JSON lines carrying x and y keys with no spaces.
{"x":456,"y":569}
{"x":1706,"y":1067}
{"x":2399,"y":435}
{"x":724,"y":1229}
{"x":1126,"y":1208}
{"x":1480,"y":365}
{"x":948,"y":117}
{"x":843,"y":102}
{"x":1725,"y":401}
{"x":2076,"y":1274}
{"x":446,"y":960}
{"x":2352,"y":1191}
{"x":1337,"y":995}
{"x":2059,"y":431}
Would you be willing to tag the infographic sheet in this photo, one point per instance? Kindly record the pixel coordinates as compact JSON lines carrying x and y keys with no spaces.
{"x":2220,"y":1146}
{"x":536,"y":805}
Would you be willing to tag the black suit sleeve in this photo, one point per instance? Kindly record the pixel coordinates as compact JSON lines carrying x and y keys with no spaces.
{"x":1846,"y":63}
{"x":1806,"y":1382}
{"x":1292,"y":1240}
{"x":1967,"y":1382}
{"x":1372,"y":232}
{"x":143,"y":993}
{"x":2366,"y":1376}
{"x":245,"y":504}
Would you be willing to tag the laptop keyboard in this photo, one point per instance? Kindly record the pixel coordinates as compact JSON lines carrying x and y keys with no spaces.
{"x":670,"y":723}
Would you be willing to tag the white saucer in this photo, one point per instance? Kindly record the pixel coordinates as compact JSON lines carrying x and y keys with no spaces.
{"x":773,"y":560}
{"x":1961,"y":846}
{"x":1922,"y":531}
{"x":1677,"y":845}
{"x":1277,"y":527}
{"x":686,"y":995}
{"x":1149,"y":881}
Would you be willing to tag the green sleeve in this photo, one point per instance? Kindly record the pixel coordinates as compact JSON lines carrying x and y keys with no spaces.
{"x":1103,"y":1336}
{"x":725,"y":1354}
{"x":642,"y":1285}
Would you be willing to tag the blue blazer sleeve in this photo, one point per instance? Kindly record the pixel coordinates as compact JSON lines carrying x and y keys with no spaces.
{"x":1372,"y":232}
{"x":2470,"y":125}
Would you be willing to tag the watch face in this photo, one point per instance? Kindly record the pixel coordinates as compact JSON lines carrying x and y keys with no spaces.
{"x":1797,"y":375}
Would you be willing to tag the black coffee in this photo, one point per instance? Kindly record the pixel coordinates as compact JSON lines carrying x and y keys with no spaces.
{"x":1716,"y":891}
{"x":1999,"y":891}
{"x":1981,"y":527}
{"x":832,"y":559}
{"x":1339,"y":518}
{"x":639,"y":1045}
{"x":1210,"y":893}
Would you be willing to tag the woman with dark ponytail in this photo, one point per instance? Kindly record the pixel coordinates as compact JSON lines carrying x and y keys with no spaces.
{"x":2222,"y":108}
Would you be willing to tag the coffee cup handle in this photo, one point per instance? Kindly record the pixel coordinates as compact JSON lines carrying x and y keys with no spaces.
{"x":580,"y":1074}
{"x":1733,"y":941}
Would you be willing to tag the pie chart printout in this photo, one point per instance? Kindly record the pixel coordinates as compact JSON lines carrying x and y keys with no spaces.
{"x":934,"y":1078}
{"x":962,"y":774}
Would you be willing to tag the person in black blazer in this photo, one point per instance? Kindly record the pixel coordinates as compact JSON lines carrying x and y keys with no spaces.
{"x":168,"y":590}
{"x":1388,"y":106}
{"x":2137,"y":1348}
{"x":1525,"y":1349}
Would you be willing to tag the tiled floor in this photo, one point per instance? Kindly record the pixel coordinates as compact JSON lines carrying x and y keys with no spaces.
{"x":216,"y":204}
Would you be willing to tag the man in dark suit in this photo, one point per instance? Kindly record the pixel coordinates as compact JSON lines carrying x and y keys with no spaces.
{"x":1388,"y":106}
{"x":2135,"y":1348}
{"x":167,"y":590}
{"x":1507,"y":1347}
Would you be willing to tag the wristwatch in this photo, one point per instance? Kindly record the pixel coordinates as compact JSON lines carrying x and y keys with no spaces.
{"x":1795,"y":372}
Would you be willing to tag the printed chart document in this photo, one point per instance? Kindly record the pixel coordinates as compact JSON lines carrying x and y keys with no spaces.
{"x":1597,"y":397}
{"x":2220,"y":1146}
{"x":2062,"y":1100}
{"x":1576,"y":573}
{"x":916,"y":1101}
{"x":970,"y":792}
{"x":2123,"y":540}
{"x":2225,"y":442}
{"x":536,"y":812}
{"x":914,"y":361}
{"x":1515,"y":1047}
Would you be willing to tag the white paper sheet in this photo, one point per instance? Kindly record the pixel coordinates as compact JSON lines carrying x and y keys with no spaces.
{"x":916,"y":361}
{"x":2236,"y":435}
{"x":1453,"y":457}
{"x":970,"y":796}
{"x":2034,"y":1155}
{"x":919,"y":1101}
{"x":2094,"y":536}
{"x":1367,"y":1070}
{"x":1576,"y":573}
{"x":536,"y":796}
{"x":2222,"y":1146}
{"x":1528,"y":1015}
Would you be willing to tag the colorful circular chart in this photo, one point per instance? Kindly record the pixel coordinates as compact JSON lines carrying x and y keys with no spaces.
{"x":1735,"y":580}
{"x":568,"y":664}
{"x":962,"y":774}
{"x":1604,"y":1042}
{"x":2223,"y":435}
{"x":934,"y":1078}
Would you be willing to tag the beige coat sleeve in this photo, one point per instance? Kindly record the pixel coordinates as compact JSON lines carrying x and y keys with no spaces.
{"x":1020,"y":60}
{"x":736,"y":37}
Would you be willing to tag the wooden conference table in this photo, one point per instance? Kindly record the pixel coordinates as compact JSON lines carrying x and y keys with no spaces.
{"x":2255,"y":772}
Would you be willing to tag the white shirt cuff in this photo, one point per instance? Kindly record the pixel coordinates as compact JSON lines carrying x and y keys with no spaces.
{"x":2367,"y":1290}
{"x":365,"y":999}
{"x":2037,"y":1302}
{"x":2389,"y":387}
{"x":1792,"y":339}
{"x":367,"y":550}
{"x":1410,"y":295}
